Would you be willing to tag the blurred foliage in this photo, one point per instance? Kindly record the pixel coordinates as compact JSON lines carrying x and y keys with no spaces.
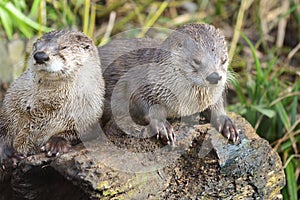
{"x":264,"y":48}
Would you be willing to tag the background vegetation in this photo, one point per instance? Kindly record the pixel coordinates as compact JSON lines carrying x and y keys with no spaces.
{"x":264,"y":41}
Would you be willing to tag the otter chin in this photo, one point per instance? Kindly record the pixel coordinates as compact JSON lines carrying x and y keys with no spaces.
{"x":56,"y":66}
{"x":58,"y":97}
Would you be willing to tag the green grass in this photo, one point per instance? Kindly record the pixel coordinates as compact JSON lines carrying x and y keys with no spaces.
{"x":13,"y":19}
{"x":264,"y":102}
{"x":267,"y":90}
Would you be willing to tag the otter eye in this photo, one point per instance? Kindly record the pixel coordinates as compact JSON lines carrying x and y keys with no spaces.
{"x":86,"y":47}
{"x":34,"y":46}
{"x":223,"y":61}
{"x":63,"y":47}
{"x":196,"y":61}
{"x":195,"y":64}
{"x":179,"y":44}
{"x":193,"y":68}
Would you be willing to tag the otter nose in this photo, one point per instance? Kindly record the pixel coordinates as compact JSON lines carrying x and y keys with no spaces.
{"x":41,"y":57}
{"x":213,"y":78}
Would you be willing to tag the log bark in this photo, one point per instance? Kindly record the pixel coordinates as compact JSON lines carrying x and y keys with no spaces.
{"x":202,"y":165}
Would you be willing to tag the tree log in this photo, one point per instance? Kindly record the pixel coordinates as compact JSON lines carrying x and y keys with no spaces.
{"x":202,"y":165}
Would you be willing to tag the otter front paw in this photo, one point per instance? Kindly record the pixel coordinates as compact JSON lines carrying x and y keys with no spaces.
{"x":227,"y":128}
{"x":163,"y":130}
{"x":9,"y":157}
{"x":56,"y":146}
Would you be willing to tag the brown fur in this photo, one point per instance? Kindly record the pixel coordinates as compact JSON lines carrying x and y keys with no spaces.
{"x":61,"y":97}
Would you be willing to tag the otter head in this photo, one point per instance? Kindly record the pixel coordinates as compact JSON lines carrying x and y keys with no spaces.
{"x":60,"y":54}
{"x":199,"y":53}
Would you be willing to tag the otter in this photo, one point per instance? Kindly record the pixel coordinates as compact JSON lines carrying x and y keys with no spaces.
{"x":184,"y":75}
{"x":58,"y":97}
{"x":120,"y":46}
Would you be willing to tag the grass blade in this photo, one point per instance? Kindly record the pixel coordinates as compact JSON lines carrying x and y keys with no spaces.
{"x":153,"y":19}
{"x":20,"y":16}
{"x":291,"y":180}
{"x":283,"y":115}
{"x":260,"y":75}
{"x":7,"y":23}
{"x":86,"y":16}
{"x":34,"y":8}
{"x":267,"y":112}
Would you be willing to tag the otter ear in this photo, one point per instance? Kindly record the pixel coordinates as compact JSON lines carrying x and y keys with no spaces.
{"x":179,"y":44}
{"x":80,"y":37}
{"x":83,"y":40}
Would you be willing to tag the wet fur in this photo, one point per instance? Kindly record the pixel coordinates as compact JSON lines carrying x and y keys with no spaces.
{"x":41,"y":104}
{"x":163,"y":76}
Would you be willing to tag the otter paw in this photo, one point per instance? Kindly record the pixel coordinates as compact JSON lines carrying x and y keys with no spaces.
{"x":9,"y":158}
{"x":56,"y":146}
{"x":163,"y":130}
{"x":227,"y":128}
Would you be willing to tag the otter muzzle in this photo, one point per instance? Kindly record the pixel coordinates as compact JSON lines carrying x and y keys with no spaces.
{"x":213,"y":78}
{"x":41,"y":57}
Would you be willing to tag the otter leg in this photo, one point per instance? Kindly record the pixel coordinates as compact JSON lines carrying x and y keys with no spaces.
{"x":222,"y":122}
{"x":58,"y":144}
{"x":153,"y":116}
{"x":160,"y":126}
{"x":8,"y":155}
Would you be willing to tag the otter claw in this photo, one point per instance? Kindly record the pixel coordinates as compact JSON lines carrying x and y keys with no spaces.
{"x":163,"y":130}
{"x":228,"y":129}
{"x":56,"y":146}
{"x":11,"y":162}
{"x":228,"y":136}
{"x":220,"y":128}
{"x":9,"y":158}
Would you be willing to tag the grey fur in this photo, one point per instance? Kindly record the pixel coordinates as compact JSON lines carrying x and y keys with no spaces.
{"x":170,"y":81}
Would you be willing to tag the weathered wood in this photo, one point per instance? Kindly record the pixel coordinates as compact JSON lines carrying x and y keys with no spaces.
{"x":202,"y":165}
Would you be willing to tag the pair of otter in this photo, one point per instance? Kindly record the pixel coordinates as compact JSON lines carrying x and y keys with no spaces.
{"x":62,"y":91}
